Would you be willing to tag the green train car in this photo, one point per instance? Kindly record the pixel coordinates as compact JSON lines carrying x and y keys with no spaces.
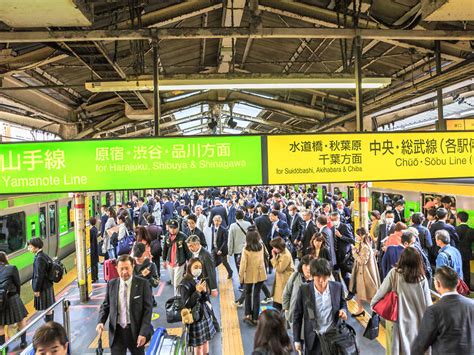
{"x":48,"y":216}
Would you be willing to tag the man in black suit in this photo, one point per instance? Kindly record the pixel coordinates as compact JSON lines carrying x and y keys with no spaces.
{"x":128,"y":306}
{"x":399,"y":212}
{"x":208,"y":266}
{"x":466,"y":238}
{"x":446,"y":326}
{"x":143,"y":209}
{"x":219,"y":244}
{"x":279,"y":227}
{"x":385,"y":230}
{"x":296,"y":223}
{"x":442,"y":216}
{"x":219,"y":210}
{"x":264,"y":228}
{"x":344,"y":239}
{"x":194,"y":230}
{"x":329,"y":297}
{"x":167,"y":212}
{"x":321,"y":223}
{"x":309,"y":228}
{"x":103,"y":219}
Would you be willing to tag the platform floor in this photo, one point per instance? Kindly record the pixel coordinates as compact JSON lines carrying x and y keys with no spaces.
{"x":236,"y":337}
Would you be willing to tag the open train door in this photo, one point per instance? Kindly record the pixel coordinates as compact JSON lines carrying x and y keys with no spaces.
{"x":48,"y":221}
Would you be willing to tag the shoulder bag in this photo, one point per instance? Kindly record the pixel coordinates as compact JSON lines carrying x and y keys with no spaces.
{"x":461,"y":288}
{"x":387,"y":307}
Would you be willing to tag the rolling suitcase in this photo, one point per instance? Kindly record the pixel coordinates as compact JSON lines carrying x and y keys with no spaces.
{"x":110,"y":270}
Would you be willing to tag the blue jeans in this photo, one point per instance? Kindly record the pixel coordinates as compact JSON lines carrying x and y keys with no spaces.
{"x":111,"y":253}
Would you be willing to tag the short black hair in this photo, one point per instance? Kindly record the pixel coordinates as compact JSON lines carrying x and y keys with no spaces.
{"x":126,"y":257}
{"x":276,"y":206}
{"x":463,"y":216}
{"x":446,"y":199}
{"x":48,"y":334}
{"x":275,"y":213}
{"x":320,"y":267}
{"x":264,"y":209}
{"x":389,"y":212}
{"x":141,"y":199}
{"x":187,"y":210}
{"x":36,"y":242}
{"x":417,"y":218}
{"x":407,"y":237}
{"x":138,"y":249}
{"x":447,"y":277}
{"x":239,"y":214}
{"x":192,"y":217}
{"x":441,"y":213}
{"x":400,"y":203}
{"x":322,"y":220}
{"x":305,"y":260}
{"x":150,"y":219}
{"x":92,"y":221}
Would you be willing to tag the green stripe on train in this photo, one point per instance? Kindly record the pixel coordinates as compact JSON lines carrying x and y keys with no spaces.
{"x":28,"y":200}
{"x":26,"y":259}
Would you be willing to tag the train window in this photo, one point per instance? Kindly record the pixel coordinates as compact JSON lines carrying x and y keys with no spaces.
{"x":12,"y":232}
{"x":381,"y":199}
{"x":435,"y":201}
{"x":42,"y":222}
{"x":52,"y":219}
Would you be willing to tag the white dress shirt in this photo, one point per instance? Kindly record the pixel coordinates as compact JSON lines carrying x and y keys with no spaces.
{"x":323,"y":309}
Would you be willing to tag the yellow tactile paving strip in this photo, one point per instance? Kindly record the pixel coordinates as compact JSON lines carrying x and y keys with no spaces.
{"x":231,"y":337}
{"x":352,"y":306}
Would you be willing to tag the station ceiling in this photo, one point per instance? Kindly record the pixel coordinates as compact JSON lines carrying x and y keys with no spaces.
{"x":64,"y":106}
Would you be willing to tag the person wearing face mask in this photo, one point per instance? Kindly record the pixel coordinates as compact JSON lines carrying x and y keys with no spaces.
{"x":193,"y":291}
{"x":385,"y":230}
{"x":343,"y":240}
{"x":343,"y":212}
{"x":301,"y":276}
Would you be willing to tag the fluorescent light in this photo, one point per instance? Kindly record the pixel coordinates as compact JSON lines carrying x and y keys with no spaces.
{"x":236,"y":84}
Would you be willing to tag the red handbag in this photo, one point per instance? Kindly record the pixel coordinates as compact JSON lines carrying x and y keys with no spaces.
{"x":462,"y":288}
{"x":387,"y":307}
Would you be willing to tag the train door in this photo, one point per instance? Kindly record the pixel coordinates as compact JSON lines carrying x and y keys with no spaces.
{"x":48,"y":226}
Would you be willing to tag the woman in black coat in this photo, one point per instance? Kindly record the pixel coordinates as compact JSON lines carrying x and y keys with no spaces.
{"x":41,"y":283}
{"x":13,"y":310}
{"x":193,"y":291}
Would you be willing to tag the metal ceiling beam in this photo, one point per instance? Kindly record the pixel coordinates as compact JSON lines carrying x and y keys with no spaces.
{"x":384,"y":35}
{"x":443,"y":80}
{"x":260,"y":121}
{"x":328,"y":18}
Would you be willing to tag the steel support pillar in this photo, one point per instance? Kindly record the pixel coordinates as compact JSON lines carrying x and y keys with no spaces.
{"x":156,"y":91}
{"x":358,"y":78}
{"x":441,"y":123}
{"x":81,"y":246}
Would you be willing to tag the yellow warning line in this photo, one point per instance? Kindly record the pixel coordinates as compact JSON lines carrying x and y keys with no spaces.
{"x":68,"y":279}
{"x":231,"y":337}
{"x":353,"y":308}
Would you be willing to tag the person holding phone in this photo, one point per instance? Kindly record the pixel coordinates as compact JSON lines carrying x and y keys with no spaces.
{"x":194,"y":293}
{"x":145,"y":268}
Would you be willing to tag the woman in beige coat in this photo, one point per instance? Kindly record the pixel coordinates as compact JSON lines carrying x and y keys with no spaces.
{"x":365,"y":279}
{"x":252,"y":274}
{"x":282,"y":262}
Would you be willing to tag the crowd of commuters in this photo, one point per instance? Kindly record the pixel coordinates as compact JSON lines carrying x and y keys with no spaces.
{"x":308,"y":249}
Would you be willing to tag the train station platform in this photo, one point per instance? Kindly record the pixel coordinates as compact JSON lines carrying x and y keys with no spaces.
{"x":236,"y":337}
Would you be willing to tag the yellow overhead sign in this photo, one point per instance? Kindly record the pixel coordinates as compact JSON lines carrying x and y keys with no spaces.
{"x":369,"y":156}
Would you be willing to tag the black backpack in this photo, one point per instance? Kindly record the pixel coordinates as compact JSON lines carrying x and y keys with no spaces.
{"x":4,"y":285}
{"x":56,"y":270}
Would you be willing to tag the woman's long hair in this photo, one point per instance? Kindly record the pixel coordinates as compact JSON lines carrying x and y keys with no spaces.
{"x":410,"y":265}
{"x":271,"y":334}
{"x":189,"y":267}
{"x":252,"y":240}
{"x":142,"y":235}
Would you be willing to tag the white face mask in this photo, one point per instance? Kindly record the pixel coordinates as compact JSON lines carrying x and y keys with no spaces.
{"x":196,"y":272}
{"x":389,"y":220}
{"x":336,"y":224}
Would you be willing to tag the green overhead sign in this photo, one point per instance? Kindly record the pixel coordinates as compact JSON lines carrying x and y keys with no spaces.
{"x":92,"y":165}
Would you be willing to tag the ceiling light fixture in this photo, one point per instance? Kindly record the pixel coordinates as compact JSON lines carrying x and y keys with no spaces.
{"x":236,"y":84}
{"x":212,"y":124}
{"x":231,"y":123}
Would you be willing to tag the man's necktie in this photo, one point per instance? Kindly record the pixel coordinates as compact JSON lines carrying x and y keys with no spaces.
{"x":123,"y":306}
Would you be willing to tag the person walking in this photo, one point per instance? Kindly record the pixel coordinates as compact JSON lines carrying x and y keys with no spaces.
{"x":128,"y":307}
{"x":93,"y":233}
{"x":252,"y":274}
{"x":271,"y":337}
{"x":365,"y":279}
{"x":194,"y":293}
{"x":42,"y":286}
{"x":13,"y":311}
{"x":446,"y":326}
{"x":237,"y":233}
{"x":408,"y":279}
{"x":282,"y":262}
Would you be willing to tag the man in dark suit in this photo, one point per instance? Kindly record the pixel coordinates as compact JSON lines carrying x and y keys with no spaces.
{"x":219,"y":244}
{"x":296,"y":223}
{"x":344,"y":239}
{"x":103,"y":219}
{"x":167,"y":212}
{"x":442,"y":216}
{"x":309,"y":228}
{"x":143,"y":208}
{"x":399,"y":211}
{"x":385,"y":230}
{"x":446,"y":326}
{"x":321,"y":223}
{"x":192,"y":229}
{"x":128,"y":306}
{"x":219,"y":210}
{"x":279,"y":227}
{"x":264,"y":228}
{"x":466,"y":238}
{"x":250,"y":214}
{"x":329,"y":297}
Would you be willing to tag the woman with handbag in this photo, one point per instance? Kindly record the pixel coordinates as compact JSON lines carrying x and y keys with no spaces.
{"x":365,"y":279}
{"x":196,"y":313}
{"x":406,"y":308}
{"x":110,"y":229}
{"x":282,"y":262}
